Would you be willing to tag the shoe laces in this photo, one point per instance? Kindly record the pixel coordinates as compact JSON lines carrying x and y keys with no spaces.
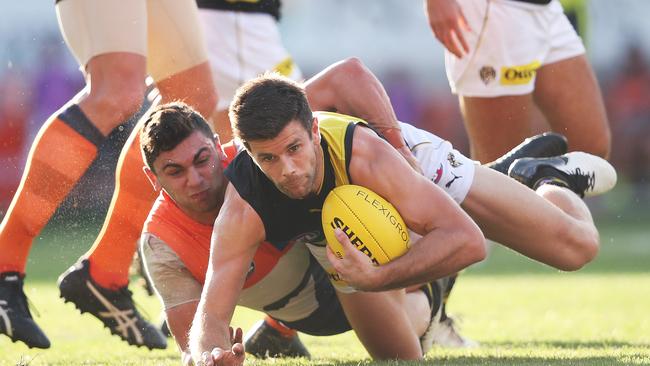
{"x":139,"y":309}
{"x":584,"y":180}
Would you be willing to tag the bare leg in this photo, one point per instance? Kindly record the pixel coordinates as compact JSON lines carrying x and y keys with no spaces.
{"x":418,"y":311}
{"x":552,"y":225}
{"x":496,"y":125}
{"x":193,"y":86}
{"x":568,"y":94}
{"x":381,"y":323}
{"x":116,"y":89}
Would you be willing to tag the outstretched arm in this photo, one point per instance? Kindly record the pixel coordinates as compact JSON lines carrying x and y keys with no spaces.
{"x":348,"y":87}
{"x":237,"y":233}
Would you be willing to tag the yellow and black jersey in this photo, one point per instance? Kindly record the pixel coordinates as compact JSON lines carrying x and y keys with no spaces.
{"x":287,"y":219}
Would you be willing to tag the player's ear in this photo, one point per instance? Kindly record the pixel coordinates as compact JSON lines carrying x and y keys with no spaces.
{"x":217,"y":144}
{"x":315,"y":133}
{"x":152,"y":178}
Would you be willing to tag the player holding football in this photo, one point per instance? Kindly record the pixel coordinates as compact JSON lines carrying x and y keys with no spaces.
{"x":184,"y":161}
{"x":295,"y":158}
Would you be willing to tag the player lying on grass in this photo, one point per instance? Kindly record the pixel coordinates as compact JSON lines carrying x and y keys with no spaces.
{"x":294,"y":158}
{"x":176,"y":237}
{"x":186,"y":164}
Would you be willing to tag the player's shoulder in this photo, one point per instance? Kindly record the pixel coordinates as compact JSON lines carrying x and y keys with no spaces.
{"x":156,"y":251}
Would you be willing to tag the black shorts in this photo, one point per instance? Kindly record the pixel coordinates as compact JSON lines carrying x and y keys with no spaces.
{"x":328,"y":318}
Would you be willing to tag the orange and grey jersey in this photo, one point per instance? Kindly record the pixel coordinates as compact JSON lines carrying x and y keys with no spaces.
{"x":286,"y":284}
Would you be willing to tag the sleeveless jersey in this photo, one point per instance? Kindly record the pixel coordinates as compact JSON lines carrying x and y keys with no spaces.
{"x":298,"y":221}
{"x":286,"y":219}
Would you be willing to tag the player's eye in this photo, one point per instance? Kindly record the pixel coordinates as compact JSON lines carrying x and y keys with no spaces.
{"x":174,"y":172}
{"x":294,"y":148}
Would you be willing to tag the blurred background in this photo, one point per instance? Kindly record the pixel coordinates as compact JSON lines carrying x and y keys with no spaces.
{"x":38,"y":75}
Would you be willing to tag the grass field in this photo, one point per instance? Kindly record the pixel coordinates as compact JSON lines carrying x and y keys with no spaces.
{"x":522,"y":313}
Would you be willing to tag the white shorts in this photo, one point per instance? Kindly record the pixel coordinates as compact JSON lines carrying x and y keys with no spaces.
{"x":509,"y":41}
{"x":440,"y":162}
{"x":167,"y":32}
{"x":242,"y":46}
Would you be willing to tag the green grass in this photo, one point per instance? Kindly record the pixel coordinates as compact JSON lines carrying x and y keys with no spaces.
{"x":523,"y":313}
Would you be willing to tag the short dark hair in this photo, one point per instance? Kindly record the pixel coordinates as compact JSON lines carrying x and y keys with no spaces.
{"x":263,"y":106}
{"x":166,"y":126}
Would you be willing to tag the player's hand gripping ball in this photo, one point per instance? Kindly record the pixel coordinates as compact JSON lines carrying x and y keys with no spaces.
{"x":373,"y":224}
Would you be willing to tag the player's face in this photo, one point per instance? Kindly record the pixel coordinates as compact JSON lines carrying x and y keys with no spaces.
{"x":292,"y":161}
{"x":192,"y":175}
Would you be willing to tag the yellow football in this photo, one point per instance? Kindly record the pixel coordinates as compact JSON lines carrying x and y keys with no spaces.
{"x":373,"y":224}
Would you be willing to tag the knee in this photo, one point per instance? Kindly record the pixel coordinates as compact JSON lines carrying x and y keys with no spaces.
{"x":119,"y":92}
{"x":581,"y":246}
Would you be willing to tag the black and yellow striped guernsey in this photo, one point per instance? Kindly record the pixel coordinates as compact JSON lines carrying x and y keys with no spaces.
{"x":286,"y":219}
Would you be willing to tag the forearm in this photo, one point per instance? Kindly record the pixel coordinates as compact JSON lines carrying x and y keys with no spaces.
{"x":179,"y":321}
{"x":440,"y":253}
{"x":208,"y":332}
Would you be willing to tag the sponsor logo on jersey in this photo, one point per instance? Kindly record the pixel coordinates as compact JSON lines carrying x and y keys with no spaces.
{"x":453,"y":180}
{"x":487,"y":74}
{"x":520,"y":74}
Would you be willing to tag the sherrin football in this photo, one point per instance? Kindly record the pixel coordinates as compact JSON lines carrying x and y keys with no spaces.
{"x":373,"y":224}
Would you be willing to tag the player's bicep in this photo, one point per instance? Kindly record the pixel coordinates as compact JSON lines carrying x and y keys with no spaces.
{"x":376,"y":165}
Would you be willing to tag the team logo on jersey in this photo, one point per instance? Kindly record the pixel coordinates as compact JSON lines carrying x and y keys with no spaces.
{"x":487,"y":74}
{"x":451,"y":158}
{"x":520,"y":74}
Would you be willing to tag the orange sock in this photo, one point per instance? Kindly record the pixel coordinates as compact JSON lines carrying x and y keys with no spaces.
{"x":112,"y":253}
{"x":64,"y":148}
{"x":281,"y":328}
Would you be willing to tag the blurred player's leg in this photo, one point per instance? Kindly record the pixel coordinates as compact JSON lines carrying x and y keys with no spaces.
{"x":177,"y":62}
{"x":496,"y":125}
{"x":67,"y":143}
{"x":569,"y":96}
{"x":181,"y":72}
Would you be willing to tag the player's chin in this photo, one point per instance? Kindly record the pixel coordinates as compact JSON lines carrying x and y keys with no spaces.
{"x":296,"y":193}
